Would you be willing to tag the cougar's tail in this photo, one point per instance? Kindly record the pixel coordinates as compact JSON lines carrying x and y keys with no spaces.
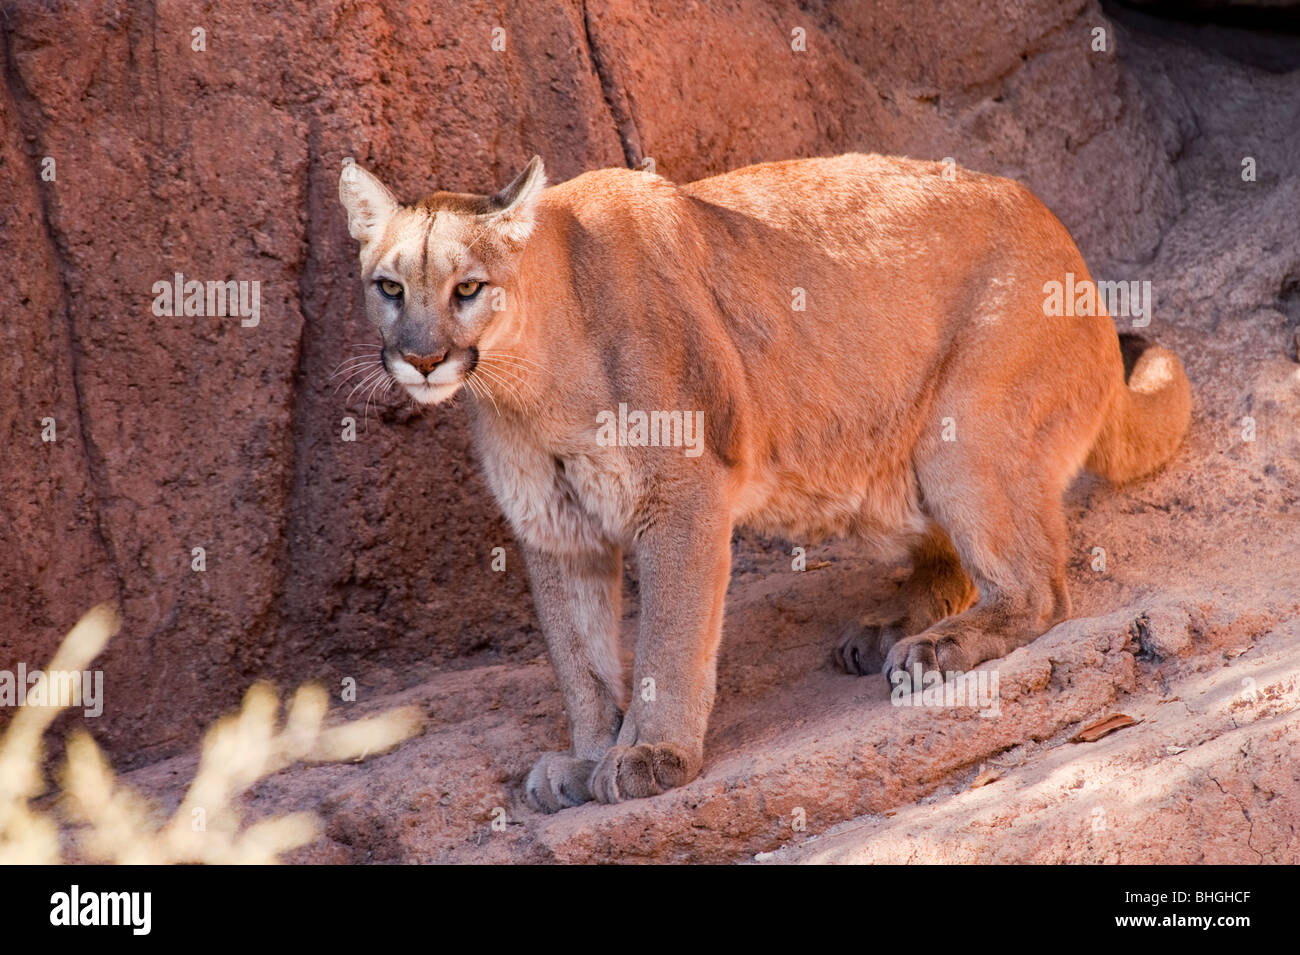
{"x":1148,"y":418}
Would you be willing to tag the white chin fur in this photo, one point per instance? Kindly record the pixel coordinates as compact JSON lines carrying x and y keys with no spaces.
{"x":432,"y":394}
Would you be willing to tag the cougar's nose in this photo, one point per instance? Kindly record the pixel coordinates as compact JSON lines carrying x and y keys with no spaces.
{"x":424,"y":364}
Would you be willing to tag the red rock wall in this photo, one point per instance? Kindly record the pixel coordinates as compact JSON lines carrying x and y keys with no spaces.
{"x":327,"y":559}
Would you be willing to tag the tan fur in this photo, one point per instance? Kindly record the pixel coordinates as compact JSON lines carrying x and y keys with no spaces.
{"x":924,"y":318}
{"x":1146,"y":421}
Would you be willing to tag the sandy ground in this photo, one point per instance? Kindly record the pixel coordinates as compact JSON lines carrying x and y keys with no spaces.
{"x":1192,"y":628}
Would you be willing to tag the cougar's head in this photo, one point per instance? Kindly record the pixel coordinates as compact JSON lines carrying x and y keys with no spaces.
{"x":440,"y":275}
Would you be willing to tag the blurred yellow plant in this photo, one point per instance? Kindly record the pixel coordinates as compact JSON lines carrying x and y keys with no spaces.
{"x":114,"y":823}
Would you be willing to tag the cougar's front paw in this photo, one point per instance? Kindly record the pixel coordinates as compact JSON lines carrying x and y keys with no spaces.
{"x":558,"y":781}
{"x":943,"y":654}
{"x":862,"y":649}
{"x":646,"y":769}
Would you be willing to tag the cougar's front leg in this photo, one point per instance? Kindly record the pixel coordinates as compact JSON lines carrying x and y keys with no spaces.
{"x":684,"y":558}
{"x":577,"y":599}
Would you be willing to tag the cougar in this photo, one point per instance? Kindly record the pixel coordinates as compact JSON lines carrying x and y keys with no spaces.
{"x":863,"y":346}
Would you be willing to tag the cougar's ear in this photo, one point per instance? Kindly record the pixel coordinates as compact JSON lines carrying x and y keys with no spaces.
{"x":368,"y":202}
{"x":515,"y":205}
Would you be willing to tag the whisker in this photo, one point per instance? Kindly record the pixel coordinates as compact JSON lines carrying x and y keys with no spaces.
{"x":359,"y":358}
{"x":519,"y":372}
{"x":364,"y":381}
{"x":365,"y":410}
{"x":469,"y":381}
{"x":363,"y":385}
{"x":353,"y":373}
{"x":517,"y":375}
{"x":356,"y":358}
{"x":517,"y":359}
{"x":347,"y":381}
{"x":358,"y":363}
{"x":385,"y":388}
{"x":500,"y":377}
{"x":365,"y":402}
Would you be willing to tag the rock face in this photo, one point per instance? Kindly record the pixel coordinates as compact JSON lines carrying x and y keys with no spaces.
{"x":140,"y":140}
{"x":131,"y":155}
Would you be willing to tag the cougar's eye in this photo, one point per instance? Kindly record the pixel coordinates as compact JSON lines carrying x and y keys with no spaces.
{"x":468,"y":289}
{"x":389,"y":289}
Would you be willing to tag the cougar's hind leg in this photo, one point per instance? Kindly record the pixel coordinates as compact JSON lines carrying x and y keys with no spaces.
{"x":1008,"y":527}
{"x":936,"y":588}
